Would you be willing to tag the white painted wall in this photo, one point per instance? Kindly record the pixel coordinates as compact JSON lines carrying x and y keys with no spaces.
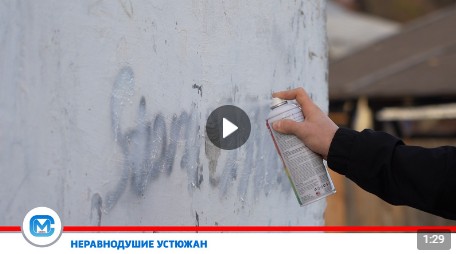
{"x":101,"y":118}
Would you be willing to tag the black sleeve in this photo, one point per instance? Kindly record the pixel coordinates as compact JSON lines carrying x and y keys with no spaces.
{"x":423,"y":178}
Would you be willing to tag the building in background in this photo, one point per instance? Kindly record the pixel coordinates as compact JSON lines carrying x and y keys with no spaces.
{"x":349,"y":31}
{"x":403,"y":83}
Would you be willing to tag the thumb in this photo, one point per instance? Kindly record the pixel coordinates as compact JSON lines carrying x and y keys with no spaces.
{"x":286,"y":126}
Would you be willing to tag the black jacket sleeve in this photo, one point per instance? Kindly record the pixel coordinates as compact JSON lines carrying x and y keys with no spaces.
{"x":423,"y":178}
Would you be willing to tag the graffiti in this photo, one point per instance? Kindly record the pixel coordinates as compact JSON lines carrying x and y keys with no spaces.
{"x":147,"y":149}
{"x":150,"y":149}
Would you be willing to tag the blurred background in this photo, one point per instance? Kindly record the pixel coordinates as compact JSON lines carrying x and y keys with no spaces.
{"x":392,"y":68}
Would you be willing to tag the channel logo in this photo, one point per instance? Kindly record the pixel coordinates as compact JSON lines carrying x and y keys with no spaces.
{"x":42,"y":227}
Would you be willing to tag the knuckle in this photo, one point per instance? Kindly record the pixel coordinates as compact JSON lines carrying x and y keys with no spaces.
{"x":300,"y":91}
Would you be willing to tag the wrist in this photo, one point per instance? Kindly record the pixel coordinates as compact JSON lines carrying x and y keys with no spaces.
{"x":339,"y":149}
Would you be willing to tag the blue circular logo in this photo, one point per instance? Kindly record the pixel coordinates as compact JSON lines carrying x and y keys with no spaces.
{"x":42,"y":226}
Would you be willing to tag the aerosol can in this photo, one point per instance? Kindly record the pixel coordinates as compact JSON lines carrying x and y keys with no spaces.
{"x":305,"y":169}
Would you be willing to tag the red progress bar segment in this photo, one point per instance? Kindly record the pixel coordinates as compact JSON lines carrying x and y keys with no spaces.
{"x":10,"y":229}
{"x":348,"y":229}
{"x":342,"y":229}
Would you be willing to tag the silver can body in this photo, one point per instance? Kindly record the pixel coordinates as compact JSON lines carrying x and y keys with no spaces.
{"x":305,"y":169}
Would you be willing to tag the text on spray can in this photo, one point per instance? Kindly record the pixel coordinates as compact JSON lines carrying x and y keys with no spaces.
{"x":308,"y":175}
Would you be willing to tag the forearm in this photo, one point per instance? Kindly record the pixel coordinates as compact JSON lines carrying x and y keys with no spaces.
{"x":401,"y":175}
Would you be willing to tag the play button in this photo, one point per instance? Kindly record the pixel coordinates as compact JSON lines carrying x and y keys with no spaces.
{"x":228,"y":127}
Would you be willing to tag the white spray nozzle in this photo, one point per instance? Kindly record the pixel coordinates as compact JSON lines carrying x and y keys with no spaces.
{"x":277,"y":102}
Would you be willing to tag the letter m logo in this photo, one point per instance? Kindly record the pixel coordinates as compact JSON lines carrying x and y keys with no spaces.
{"x":40,"y":225}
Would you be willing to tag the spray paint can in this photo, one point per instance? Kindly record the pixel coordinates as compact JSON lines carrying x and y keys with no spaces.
{"x":308,"y":175}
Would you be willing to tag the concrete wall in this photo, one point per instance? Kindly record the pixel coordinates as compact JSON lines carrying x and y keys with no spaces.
{"x":103,"y":107}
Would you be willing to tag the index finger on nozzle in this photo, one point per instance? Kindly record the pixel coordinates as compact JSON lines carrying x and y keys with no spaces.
{"x":298,"y":94}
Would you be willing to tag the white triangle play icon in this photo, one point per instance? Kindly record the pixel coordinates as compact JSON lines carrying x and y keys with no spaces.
{"x":228,"y":128}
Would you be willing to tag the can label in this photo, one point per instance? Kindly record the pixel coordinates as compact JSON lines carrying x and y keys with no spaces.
{"x":305,"y":169}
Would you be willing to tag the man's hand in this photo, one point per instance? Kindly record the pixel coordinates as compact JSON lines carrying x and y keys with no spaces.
{"x":317,"y":130}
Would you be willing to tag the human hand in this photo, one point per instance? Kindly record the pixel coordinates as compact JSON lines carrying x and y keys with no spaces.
{"x":317,"y":130}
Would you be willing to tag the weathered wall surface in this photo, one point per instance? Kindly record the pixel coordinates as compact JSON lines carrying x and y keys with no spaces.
{"x":103,"y":107}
